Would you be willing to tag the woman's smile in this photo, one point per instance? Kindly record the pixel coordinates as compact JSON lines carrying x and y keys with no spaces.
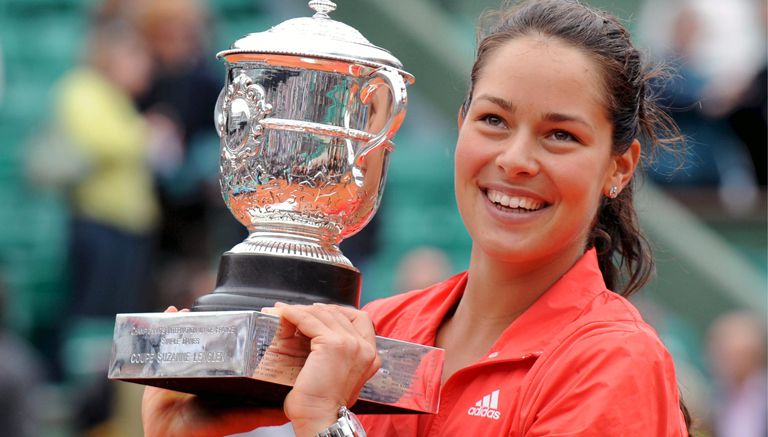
{"x":514,"y":203}
{"x":513,"y":206}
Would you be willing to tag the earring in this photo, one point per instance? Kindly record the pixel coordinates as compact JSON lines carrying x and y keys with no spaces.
{"x":614,"y":192}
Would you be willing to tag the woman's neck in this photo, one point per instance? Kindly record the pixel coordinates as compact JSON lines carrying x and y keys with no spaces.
{"x":496,"y":294}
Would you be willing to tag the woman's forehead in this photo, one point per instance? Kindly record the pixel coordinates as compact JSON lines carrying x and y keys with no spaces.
{"x":544,"y":70}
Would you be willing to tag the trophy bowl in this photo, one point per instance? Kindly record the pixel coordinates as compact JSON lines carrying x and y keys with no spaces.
{"x":306,"y":119}
{"x":304,"y":169}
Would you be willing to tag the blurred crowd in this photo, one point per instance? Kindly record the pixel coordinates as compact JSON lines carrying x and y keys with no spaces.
{"x":717,"y":94}
{"x":130,"y":144}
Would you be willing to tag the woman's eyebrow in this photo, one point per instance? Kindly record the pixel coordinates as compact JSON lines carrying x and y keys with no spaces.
{"x":503,"y":103}
{"x":560,"y":117}
{"x":556,"y":117}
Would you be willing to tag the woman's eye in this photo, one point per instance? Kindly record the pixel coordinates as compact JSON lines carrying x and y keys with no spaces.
{"x":492,"y":120}
{"x":562,"y":136}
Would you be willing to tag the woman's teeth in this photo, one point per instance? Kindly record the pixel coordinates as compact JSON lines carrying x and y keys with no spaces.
{"x":514,"y":202}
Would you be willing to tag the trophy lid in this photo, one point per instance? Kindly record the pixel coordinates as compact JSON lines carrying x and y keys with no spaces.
{"x":318,"y":36}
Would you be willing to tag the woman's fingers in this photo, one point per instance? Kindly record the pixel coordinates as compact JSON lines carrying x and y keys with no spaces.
{"x":359,"y":323}
{"x":173,"y":309}
{"x":307,"y":320}
{"x":332,"y":317}
{"x":359,"y":320}
{"x":346,"y":329}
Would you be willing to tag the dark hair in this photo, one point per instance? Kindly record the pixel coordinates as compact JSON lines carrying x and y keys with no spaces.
{"x":624,"y":254}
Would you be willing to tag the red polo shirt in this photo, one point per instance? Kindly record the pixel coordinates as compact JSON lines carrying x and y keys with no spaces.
{"x":579,"y":362}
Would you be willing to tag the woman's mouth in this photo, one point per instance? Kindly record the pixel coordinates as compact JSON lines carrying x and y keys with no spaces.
{"x":514,"y":203}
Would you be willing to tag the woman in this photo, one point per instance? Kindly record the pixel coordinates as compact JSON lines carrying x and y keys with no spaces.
{"x":549,"y":141}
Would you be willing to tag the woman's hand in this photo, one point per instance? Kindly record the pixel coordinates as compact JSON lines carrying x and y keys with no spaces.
{"x":167,"y":413}
{"x":342,"y":358}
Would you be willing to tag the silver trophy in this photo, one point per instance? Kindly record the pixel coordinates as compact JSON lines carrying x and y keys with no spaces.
{"x":306,"y":120}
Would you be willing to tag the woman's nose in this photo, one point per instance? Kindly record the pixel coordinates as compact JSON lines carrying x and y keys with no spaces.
{"x":518,"y":156}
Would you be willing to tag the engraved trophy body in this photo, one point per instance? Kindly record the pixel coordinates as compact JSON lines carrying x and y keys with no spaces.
{"x":306,"y":119}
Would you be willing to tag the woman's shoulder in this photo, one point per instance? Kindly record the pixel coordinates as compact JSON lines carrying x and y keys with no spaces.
{"x":612,"y":320}
{"x":613,"y":361}
{"x":614,"y":340}
{"x":610,"y":342}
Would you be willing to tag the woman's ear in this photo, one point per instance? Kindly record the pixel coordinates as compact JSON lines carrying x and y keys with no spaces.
{"x":624,"y":166}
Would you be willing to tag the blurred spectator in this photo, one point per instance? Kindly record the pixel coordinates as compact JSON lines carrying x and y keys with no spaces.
{"x":749,"y":120}
{"x":185,"y":89}
{"x":683,"y":95}
{"x":21,"y":377}
{"x":688,"y":34}
{"x":728,"y":48}
{"x":737,"y":353}
{"x":749,"y":114}
{"x":422,"y":267}
{"x":113,"y":204}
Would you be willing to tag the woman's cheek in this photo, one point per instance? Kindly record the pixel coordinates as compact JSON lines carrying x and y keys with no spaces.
{"x":470,"y":157}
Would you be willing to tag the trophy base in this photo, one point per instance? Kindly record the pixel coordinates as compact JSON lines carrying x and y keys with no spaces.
{"x":246,"y":392}
{"x":248,"y":358}
{"x":279,"y":279}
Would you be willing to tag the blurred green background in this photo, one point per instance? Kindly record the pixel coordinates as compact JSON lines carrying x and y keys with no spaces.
{"x":711,"y":259}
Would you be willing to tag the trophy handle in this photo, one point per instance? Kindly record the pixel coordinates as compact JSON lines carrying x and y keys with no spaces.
{"x":396,"y":86}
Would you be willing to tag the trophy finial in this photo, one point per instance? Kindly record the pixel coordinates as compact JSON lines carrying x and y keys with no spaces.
{"x":322,"y":7}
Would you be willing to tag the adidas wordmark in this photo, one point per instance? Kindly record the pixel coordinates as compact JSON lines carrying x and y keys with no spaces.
{"x":487,"y":407}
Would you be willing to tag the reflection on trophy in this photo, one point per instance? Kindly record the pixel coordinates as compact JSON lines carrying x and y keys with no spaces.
{"x":306,"y":119}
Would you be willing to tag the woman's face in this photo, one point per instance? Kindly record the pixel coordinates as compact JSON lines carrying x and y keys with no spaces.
{"x":533,"y":156}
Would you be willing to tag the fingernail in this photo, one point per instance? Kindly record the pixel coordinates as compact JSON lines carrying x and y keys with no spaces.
{"x":171,"y":308}
{"x":185,"y":310}
{"x":280,"y":304}
{"x":269,"y":310}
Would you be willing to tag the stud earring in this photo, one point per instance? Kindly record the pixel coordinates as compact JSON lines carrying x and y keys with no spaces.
{"x":614,"y":192}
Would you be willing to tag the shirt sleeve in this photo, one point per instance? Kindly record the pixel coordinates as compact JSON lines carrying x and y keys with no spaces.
{"x":608,"y":382}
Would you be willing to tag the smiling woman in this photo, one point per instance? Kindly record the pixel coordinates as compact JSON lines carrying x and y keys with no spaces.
{"x":556,"y":122}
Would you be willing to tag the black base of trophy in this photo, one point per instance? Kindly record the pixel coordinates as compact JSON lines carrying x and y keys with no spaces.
{"x":254,"y":281}
{"x":225,"y":393}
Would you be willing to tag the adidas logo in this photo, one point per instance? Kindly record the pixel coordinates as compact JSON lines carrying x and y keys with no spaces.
{"x":487,"y":407}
